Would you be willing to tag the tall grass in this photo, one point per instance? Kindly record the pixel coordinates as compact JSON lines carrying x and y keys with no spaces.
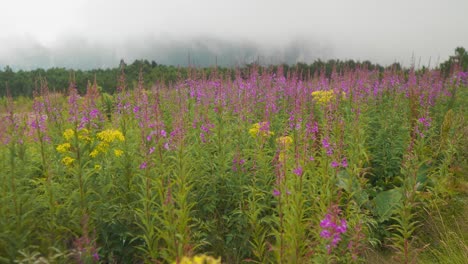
{"x":259,"y":168}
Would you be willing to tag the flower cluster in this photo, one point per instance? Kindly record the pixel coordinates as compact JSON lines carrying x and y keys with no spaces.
{"x":327,"y":146}
{"x":66,"y":147}
{"x":68,"y":161}
{"x":284,"y":141}
{"x":83,"y":134}
{"x":343,"y":163}
{"x":110,"y":135}
{"x":323,"y":97}
{"x":261,"y":129}
{"x":63,"y":148}
{"x":200,"y":259}
{"x":105,"y":139}
{"x":332,"y":228}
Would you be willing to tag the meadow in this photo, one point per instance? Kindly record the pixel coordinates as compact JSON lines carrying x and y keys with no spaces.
{"x":359,"y":167}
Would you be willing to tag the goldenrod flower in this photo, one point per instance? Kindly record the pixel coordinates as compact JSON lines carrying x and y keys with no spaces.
{"x":261,"y":129}
{"x":62,"y":148}
{"x":118,"y":152}
{"x":323,"y":97}
{"x":94,"y":153}
{"x":200,"y":259}
{"x":100,"y":148}
{"x":83,"y":134}
{"x":284,"y":141}
{"x":109,"y":135}
{"x":68,"y":161}
{"x":68,"y":134}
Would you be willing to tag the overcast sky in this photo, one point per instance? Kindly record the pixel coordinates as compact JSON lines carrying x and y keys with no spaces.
{"x":88,"y":34}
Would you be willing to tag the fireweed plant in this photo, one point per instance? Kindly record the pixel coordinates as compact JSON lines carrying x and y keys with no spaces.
{"x":256,"y":167}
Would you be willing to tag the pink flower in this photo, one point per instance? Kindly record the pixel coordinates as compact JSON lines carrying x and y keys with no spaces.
{"x":298,"y":171}
{"x":325,"y":234}
{"x":276,"y":192}
{"x":344,"y":163}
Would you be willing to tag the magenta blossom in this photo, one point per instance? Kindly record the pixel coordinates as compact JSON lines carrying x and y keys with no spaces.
{"x":344,"y":163}
{"x":335,"y":164}
{"x":298,"y":171}
{"x":332,"y":229}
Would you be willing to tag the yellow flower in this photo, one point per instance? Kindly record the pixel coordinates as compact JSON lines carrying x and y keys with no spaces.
{"x":94,"y":153}
{"x":253,"y":131}
{"x":97,"y":167}
{"x":100,"y":148}
{"x":109,"y":135}
{"x":62,"y":148}
{"x":284,"y":141}
{"x":118,"y":152}
{"x":323,"y":97}
{"x":260,"y":129}
{"x":68,"y":134}
{"x":68,"y":161}
{"x":83,"y":134}
{"x":200,"y":259}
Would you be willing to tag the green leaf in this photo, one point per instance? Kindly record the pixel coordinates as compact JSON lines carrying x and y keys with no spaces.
{"x":386,"y":202}
{"x":351,"y":185}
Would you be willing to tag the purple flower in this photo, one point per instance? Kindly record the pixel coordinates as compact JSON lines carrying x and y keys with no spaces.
{"x":325,"y":143}
{"x":276,"y":192}
{"x":163,"y":133}
{"x":151,"y":150}
{"x":342,"y":227}
{"x":326,"y":222}
{"x":136,"y":109}
{"x":143,"y":165}
{"x":298,"y":171}
{"x":96,"y":256}
{"x":425,"y":121}
{"x":344,"y":163}
{"x":94,"y":113}
{"x":331,"y":230}
{"x":336,"y":239}
{"x":325,"y":233}
{"x":335,"y":164}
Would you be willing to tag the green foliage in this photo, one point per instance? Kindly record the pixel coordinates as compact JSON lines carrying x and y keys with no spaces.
{"x":162,"y":174}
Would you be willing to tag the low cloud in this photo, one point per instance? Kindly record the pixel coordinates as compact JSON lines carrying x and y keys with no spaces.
{"x":202,"y":51}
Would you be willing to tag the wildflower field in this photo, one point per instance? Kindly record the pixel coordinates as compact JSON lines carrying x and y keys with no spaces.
{"x":359,"y":167}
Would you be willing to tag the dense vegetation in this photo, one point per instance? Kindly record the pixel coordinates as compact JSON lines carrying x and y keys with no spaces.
{"x":247,"y":165}
{"x":23,"y":83}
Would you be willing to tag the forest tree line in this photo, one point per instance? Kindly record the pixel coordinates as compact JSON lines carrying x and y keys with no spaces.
{"x":24,"y":83}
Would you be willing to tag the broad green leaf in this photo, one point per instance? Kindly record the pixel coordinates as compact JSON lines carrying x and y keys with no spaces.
{"x":386,"y":202}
